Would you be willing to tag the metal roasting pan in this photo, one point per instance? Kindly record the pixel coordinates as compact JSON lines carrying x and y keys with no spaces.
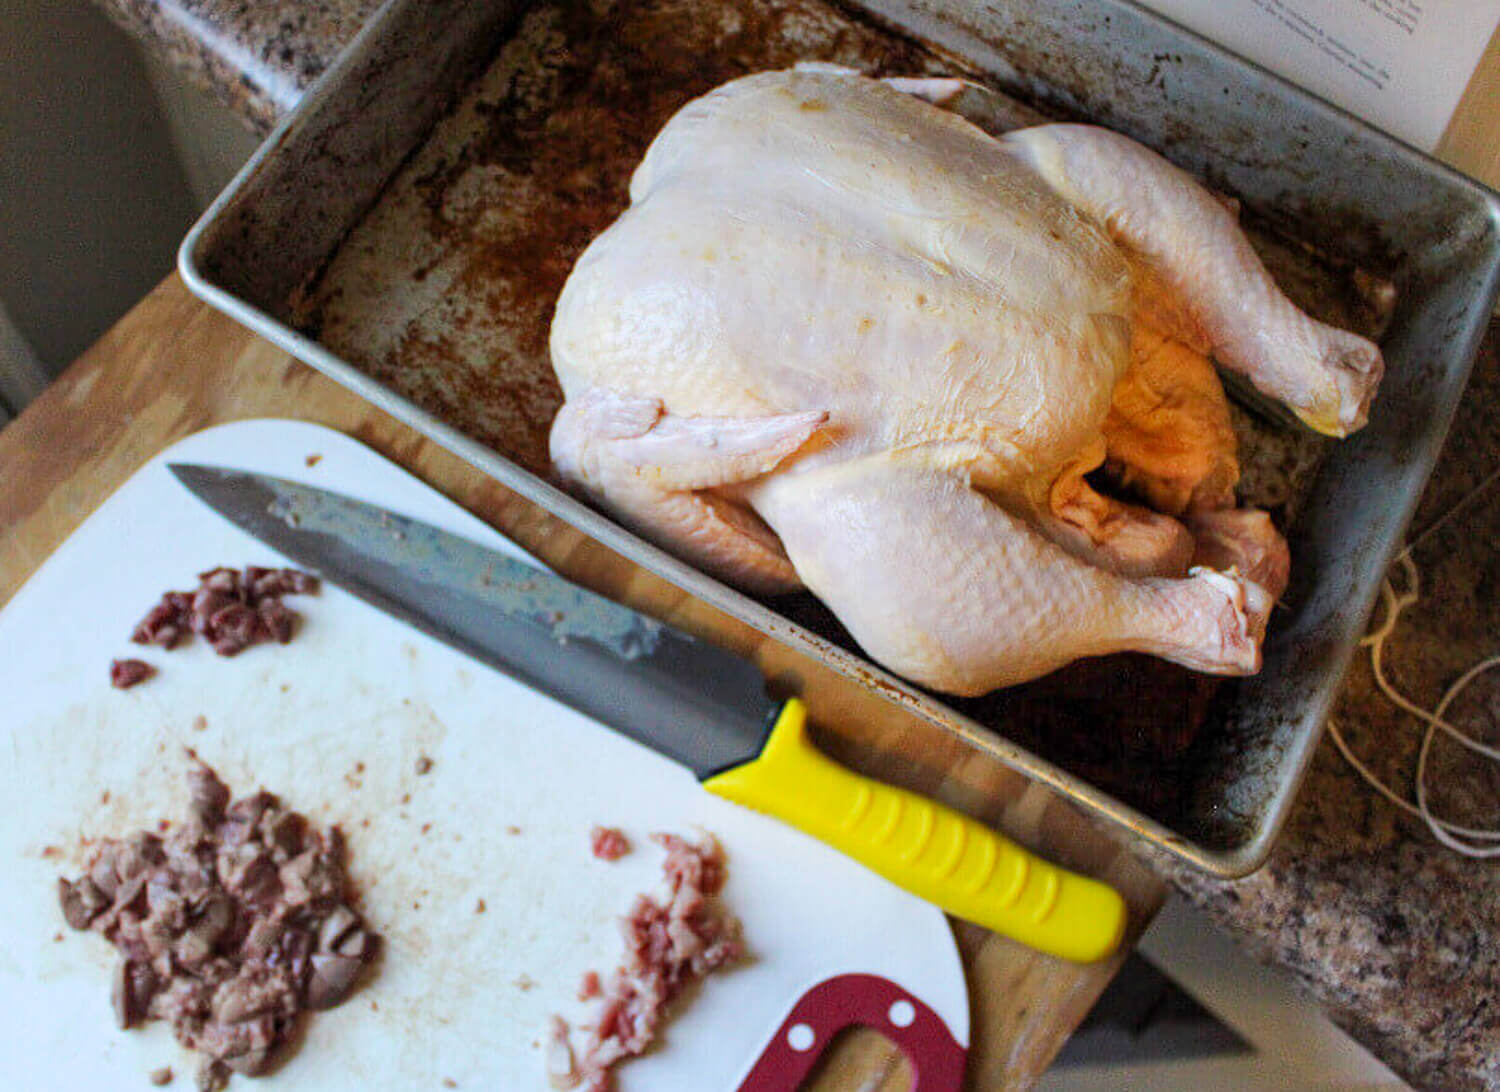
{"x":421,"y":275}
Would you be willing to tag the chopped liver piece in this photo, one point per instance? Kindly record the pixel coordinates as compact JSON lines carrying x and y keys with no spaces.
{"x":608,"y":843}
{"x":668,"y":945}
{"x":123,"y":674}
{"x":228,"y":927}
{"x":162,"y":624}
{"x":230,"y":609}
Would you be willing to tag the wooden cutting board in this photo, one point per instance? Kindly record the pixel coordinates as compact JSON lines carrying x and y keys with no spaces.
{"x":335,"y":724}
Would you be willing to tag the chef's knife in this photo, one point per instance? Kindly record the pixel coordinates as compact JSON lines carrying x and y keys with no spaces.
{"x":684,"y":698}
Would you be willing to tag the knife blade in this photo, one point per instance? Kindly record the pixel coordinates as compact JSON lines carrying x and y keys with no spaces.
{"x":687,"y":699}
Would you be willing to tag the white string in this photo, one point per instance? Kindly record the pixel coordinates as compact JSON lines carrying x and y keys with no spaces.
{"x":1448,"y":833}
{"x":1436,"y":525}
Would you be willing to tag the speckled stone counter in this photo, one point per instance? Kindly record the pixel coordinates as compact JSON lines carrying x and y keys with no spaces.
{"x":255,"y":56}
{"x":1398,"y":937}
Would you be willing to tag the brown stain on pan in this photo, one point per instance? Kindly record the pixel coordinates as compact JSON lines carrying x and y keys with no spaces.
{"x":445,"y":290}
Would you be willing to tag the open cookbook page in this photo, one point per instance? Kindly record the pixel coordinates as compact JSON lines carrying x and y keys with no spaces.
{"x":1401,"y":65}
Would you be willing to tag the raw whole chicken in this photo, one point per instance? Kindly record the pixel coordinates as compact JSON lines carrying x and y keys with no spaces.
{"x":844,"y":339}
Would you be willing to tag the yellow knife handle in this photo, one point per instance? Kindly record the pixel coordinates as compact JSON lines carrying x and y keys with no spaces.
{"x":936,"y":853}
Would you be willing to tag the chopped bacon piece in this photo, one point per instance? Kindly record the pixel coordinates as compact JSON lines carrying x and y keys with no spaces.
{"x":562,"y":1065}
{"x":668,"y":945}
{"x":608,"y":843}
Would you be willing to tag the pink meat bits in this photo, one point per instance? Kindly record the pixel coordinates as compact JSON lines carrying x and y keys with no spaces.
{"x":668,"y":945}
{"x":608,"y":843}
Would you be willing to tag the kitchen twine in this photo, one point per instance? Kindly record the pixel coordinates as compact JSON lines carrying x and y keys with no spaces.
{"x":1470,"y":841}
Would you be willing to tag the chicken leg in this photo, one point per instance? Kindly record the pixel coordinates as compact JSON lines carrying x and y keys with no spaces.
{"x":1219,"y":297}
{"x":1123,"y":538}
{"x":947,"y":588}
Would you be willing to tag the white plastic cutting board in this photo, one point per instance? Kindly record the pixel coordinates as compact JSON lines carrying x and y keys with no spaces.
{"x":335,"y":723}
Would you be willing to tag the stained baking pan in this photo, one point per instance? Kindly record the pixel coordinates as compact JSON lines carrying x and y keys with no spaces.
{"x":407,"y":229}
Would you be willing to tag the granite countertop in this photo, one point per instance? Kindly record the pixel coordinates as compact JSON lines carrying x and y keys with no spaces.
{"x":1398,"y":937}
{"x":255,"y":56}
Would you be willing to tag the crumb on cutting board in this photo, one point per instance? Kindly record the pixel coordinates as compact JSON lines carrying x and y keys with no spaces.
{"x":608,"y":843}
{"x":589,"y":986}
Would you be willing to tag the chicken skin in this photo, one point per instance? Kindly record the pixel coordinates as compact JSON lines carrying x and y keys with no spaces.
{"x":842,"y":339}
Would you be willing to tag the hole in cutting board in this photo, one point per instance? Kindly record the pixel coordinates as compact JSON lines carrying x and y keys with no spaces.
{"x":862,"y":1059}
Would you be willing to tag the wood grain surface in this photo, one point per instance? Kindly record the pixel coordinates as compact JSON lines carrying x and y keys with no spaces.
{"x":1472,"y":140}
{"x":173,"y":366}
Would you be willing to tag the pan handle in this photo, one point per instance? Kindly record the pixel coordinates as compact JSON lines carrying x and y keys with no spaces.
{"x":864,"y":1000}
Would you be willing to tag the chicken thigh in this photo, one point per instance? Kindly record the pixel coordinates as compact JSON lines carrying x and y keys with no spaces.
{"x":843,"y":339}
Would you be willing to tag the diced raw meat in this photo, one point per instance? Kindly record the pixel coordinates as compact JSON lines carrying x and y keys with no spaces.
{"x":667,"y":946}
{"x":228,"y":927}
{"x":229,"y":609}
{"x":123,"y":674}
